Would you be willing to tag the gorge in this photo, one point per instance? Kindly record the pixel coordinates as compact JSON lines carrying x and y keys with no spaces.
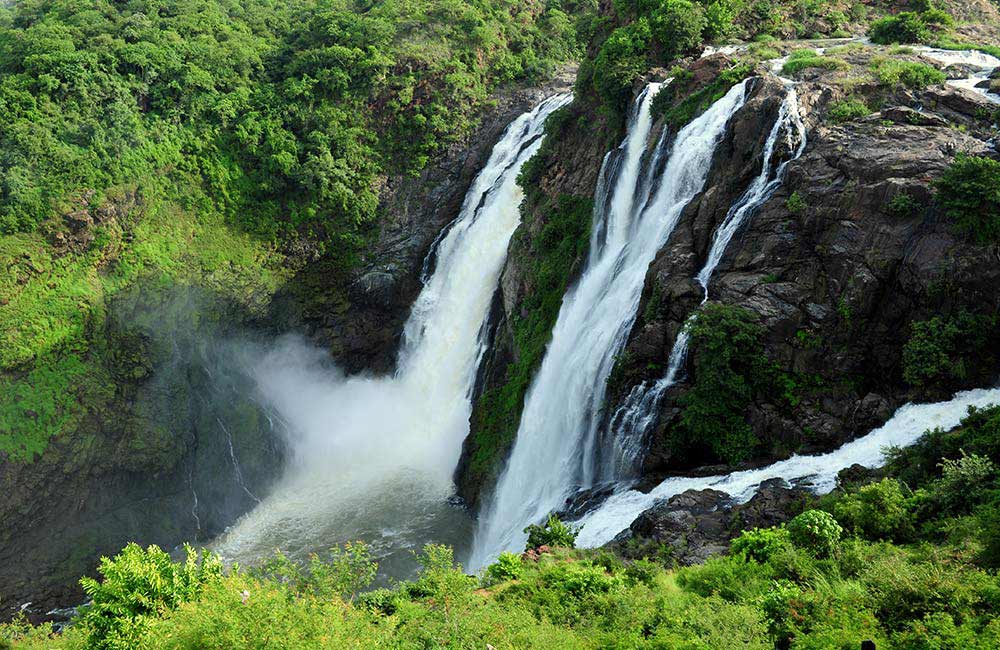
{"x":535,"y":323}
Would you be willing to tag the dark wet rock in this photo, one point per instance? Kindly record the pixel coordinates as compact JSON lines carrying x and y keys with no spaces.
{"x":907,"y":115}
{"x":697,"y":524}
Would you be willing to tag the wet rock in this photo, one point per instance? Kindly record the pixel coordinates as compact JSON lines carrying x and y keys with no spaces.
{"x":907,"y":115}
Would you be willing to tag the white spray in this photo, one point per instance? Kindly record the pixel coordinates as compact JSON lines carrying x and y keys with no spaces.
{"x":373,"y":458}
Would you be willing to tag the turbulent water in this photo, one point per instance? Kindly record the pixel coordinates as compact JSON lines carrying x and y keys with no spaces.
{"x":632,"y":421}
{"x":983,"y":64}
{"x":816,"y":472}
{"x":373,"y":458}
{"x":556,"y":451}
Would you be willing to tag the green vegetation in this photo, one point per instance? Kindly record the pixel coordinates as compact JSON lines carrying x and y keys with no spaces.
{"x":795,"y":203}
{"x":553,"y":533}
{"x":803,"y":59}
{"x":909,"y":74}
{"x":904,"y":27}
{"x":848,"y":110}
{"x":195,"y":142}
{"x":969,"y":193}
{"x":830,"y":578}
{"x":903,"y":205}
{"x":555,"y":248}
{"x":946,"y":351}
{"x":730,"y":369}
{"x":683,"y":100}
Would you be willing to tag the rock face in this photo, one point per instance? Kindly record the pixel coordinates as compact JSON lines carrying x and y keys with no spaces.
{"x":697,"y":524}
{"x":835,"y":271}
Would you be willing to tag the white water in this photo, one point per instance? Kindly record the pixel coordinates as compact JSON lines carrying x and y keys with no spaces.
{"x":985,"y":63}
{"x":819,"y":473}
{"x":373,"y":458}
{"x":632,"y":421}
{"x":555,"y":450}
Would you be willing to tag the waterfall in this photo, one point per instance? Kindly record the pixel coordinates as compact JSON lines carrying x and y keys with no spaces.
{"x":373,"y":458}
{"x":637,"y":414}
{"x":819,"y":473}
{"x":555,"y":450}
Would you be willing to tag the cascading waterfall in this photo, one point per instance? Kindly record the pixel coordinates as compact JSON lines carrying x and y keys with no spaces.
{"x":555,"y":450}
{"x":637,"y":414}
{"x":372,"y":458}
{"x":818,"y":473}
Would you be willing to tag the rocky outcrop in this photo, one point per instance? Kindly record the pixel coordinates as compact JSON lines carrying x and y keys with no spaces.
{"x":834,"y":268}
{"x":697,"y":524}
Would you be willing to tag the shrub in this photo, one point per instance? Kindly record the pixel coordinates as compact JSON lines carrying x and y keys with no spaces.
{"x":795,"y":203}
{"x":507,"y":567}
{"x":902,"y":205}
{"x":553,"y":533}
{"x":969,"y":193}
{"x":937,"y":17}
{"x":730,"y":368}
{"x":947,"y":349}
{"x":677,"y":26}
{"x":137,"y":585}
{"x":847,"y":110}
{"x":964,"y":482}
{"x":719,"y":17}
{"x":621,"y":59}
{"x":816,"y":531}
{"x":905,"y":27}
{"x":910,"y":74}
{"x":760,"y":544}
{"x":346,"y":572}
{"x":876,"y":511}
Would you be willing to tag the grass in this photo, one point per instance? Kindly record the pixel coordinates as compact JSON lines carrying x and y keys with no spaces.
{"x":848,"y":110}
{"x":806,"y":59}
{"x":909,"y":74}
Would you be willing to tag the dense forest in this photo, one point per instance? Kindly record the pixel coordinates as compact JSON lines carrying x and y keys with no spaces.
{"x":230,"y":146}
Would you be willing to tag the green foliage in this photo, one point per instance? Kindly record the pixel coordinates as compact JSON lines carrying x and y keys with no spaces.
{"x":621,"y":59}
{"x":903,"y":205}
{"x":555,"y":248}
{"x":795,"y":203}
{"x":507,"y":567}
{"x":904,"y":27}
{"x":803,"y":59}
{"x":682,"y":101}
{"x":969,"y":194}
{"x":816,"y":531}
{"x":137,"y":586}
{"x":909,"y":74}
{"x":729,"y":370}
{"x":848,"y":110}
{"x":876,"y":511}
{"x":964,"y":482}
{"x":760,"y":544}
{"x":950,"y":349}
{"x":677,"y":26}
{"x":346,"y":572}
{"x":553,"y":533}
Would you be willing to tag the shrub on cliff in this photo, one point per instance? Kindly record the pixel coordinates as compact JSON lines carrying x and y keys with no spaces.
{"x":730,"y":369}
{"x":969,"y":194}
{"x":677,"y":26}
{"x":950,"y":349}
{"x":621,"y":59}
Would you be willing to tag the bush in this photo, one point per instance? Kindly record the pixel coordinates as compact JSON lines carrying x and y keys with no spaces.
{"x":795,"y":203}
{"x":620,"y":60}
{"x":964,"y":482}
{"x":760,"y":544}
{"x":947,"y":349}
{"x":677,"y":26}
{"x":937,"y":17}
{"x":847,"y":110}
{"x":803,"y":59}
{"x":730,"y":369}
{"x":876,"y":511}
{"x":905,"y":27}
{"x":909,"y":74}
{"x":969,"y":193}
{"x":138,"y":585}
{"x":816,"y":531}
{"x":553,"y":533}
{"x":902,"y":205}
{"x":507,"y":567}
